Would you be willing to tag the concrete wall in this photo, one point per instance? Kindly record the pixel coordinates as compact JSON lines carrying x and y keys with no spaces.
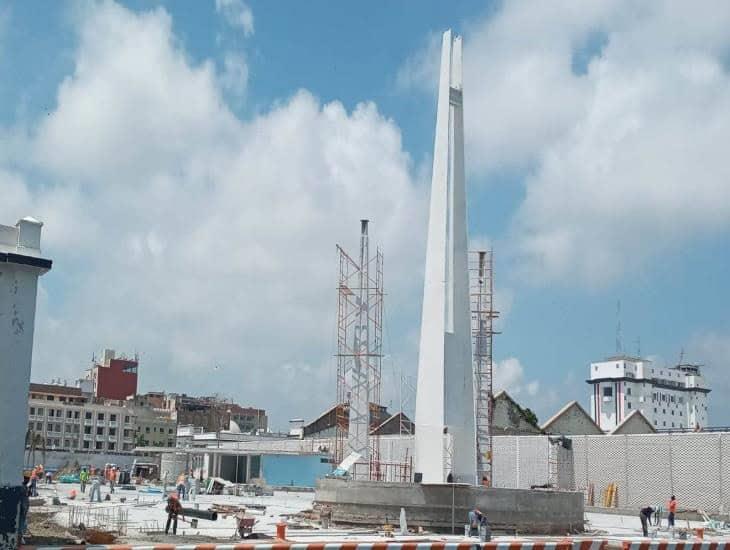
{"x":648,"y":468}
{"x":58,"y":459}
{"x":574,"y":421}
{"x":509,"y":419}
{"x":293,"y":470}
{"x":439,"y":507}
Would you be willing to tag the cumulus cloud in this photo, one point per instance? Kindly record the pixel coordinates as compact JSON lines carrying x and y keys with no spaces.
{"x":237,"y":13}
{"x":712,"y":349}
{"x":616,"y":115}
{"x":509,"y":375}
{"x":194,"y":238}
{"x":234,"y":78}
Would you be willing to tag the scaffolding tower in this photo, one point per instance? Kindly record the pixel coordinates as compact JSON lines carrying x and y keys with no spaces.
{"x":359,"y":354}
{"x":483,"y":314}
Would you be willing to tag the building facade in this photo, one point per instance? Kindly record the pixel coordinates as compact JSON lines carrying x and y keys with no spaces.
{"x":668,"y":397}
{"x":65,"y":418}
{"x":114,"y":377}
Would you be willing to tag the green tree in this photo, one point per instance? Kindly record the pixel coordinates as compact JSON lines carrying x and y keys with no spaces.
{"x":531,"y":417}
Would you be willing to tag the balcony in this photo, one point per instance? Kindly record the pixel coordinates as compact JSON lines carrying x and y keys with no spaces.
{"x":88,"y":437}
{"x":101,"y":422}
{"x":88,"y":422}
{"x":112,"y":438}
{"x":112,"y":423}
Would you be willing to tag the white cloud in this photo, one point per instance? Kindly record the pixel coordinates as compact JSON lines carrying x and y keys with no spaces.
{"x":237,"y":14}
{"x":234,"y":78}
{"x":616,"y":113}
{"x":509,"y":375}
{"x":420,"y":71}
{"x":712,"y":349}
{"x":183,"y":233}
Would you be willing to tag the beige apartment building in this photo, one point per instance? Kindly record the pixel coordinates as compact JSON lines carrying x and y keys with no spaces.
{"x":68,"y":418}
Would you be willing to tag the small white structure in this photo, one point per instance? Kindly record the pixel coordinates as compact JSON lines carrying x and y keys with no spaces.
{"x":445,"y":434}
{"x":20,"y":266}
{"x":668,"y":397}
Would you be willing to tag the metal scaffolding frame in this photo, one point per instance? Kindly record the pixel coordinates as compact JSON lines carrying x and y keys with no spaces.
{"x":483,"y":314}
{"x":359,"y":353}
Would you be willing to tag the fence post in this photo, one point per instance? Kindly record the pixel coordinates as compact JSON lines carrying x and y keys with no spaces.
{"x":671,"y":464}
{"x":720,"y":466}
{"x":626,"y":469}
{"x":585,"y":455}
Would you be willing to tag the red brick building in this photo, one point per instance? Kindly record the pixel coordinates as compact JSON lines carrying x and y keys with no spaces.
{"x":114,"y":378}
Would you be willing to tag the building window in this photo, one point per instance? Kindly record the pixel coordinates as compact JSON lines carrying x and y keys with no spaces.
{"x":111,"y":446}
{"x":49,"y":398}
{"x":126,"y":420}
{"x":170,"y":431}
{"x":100,"y":431}
{"x":628,"y":391}
{"x":112,"y":431}
{"x":58,"y":428}
{"x":66,"y":443}
{"x":113,"y":417}
{"x":99,"y":445}
{"x":87,"y":444}
{"x":100,"y":416}
{"x":39,"y":426}
{"x":51,"y":412}
{"x":87,"y":415}
{"x":628,"y":405}
{"x":69,"y":414}
{"x":147,"y":429}
{"x":664,"y":423}
{"x":32,"y":410}
{"x":87,"y":430}
{"x":672,"y":413}
{"x":607,"y":391}
{"x":76,"y":414}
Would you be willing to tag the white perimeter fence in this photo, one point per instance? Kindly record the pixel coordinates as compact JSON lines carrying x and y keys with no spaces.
{"x":647,"y":468}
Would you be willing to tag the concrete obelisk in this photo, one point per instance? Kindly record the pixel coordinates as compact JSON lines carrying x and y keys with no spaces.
{"x":445,"y":432}
{"x":20,"y":265}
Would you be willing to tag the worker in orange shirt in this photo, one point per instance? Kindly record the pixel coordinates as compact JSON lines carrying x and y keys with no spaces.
{"x":672,"y":509}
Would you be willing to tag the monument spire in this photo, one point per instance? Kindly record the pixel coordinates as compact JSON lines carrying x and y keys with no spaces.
{"x":445,"y":432}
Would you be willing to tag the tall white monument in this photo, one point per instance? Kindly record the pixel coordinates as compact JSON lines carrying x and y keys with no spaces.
{"x":445,"y":432}
{"x":20,"y":265}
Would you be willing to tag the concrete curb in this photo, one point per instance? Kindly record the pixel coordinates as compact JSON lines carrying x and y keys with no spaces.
{"x":510,"y":545}
{"x":676,"y":545}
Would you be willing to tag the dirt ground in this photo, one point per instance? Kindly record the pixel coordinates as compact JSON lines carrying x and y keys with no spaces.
{"x":44,"y":531}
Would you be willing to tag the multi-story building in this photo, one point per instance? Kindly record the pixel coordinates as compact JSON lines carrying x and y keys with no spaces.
{"x":669,"y":397}
{"x":113,"y":377}
{"x":213,"y":413}
{"x":248,"y":419}
{"x":67,"y":419}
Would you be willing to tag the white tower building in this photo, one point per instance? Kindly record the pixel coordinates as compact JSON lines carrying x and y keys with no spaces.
{"x":445,"y":432}
{"x":671,"y":398}
{"x":20,"y":265}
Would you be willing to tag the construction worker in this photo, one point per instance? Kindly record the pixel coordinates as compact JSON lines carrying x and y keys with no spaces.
{"x":192,"y":486}
{"x":34,"y":482}
{"x":83,"y":479}
{"x":645,"y":517}
{"x":173,"y":509}
{"x":475,"y":521}
{"x":180,"y":486}
{"x":112,"y":477}
{"x":24,"y":506}
{"x":672,"y":506}
{"x":95,"y":489}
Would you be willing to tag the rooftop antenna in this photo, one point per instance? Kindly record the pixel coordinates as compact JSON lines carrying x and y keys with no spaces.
{"x":619,"y":345}
{"x":638,"y":346}
{"x":681,"y":356}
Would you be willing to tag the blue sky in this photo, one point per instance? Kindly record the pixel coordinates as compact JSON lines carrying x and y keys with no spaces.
{"x":152,"y":137}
